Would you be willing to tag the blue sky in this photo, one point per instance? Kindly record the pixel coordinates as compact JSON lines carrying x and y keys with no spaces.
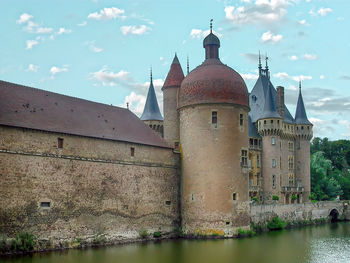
{"x":102,"y":50}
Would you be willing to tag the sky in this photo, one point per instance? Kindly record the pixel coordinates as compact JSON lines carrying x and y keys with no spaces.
{"x":102,"y":50}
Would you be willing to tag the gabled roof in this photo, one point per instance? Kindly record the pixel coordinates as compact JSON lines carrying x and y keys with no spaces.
{"x":257,"y":99}
{"x":300,"y":113}
{"x":175,"y":75}
{"x":25,"y":107}
{"x":151,"y":110}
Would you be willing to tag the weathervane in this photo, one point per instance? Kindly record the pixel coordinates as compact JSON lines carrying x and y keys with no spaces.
{"x":211,"y":25}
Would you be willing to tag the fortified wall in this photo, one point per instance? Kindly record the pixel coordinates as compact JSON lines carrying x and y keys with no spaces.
{"x":88,"y":188}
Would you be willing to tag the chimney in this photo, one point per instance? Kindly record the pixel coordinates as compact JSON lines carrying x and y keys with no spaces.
{"x":280,"y":101}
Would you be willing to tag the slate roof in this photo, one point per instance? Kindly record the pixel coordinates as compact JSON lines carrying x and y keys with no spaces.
{"x":26,"y":107}
{"x":257,"y":99}
{"x":300,"y":113}
{"x":175,"y":75}
{"x":270,"y":106}
{"x":211,"y":39}
{"x":151,"y":110}
{"x":252,"y":129}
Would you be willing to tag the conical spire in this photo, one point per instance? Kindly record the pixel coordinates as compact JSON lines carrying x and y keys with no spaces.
{"x":300,"y":113}
{"x":269,"y":107}
{"x":151,"y":110}
{"x":175,"y":75}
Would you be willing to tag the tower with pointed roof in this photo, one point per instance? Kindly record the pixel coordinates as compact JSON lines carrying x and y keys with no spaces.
{"x":303,"y":135}
{"x":171,"y":116}
{"x":151,"y":115}
{"x":213,"y":112}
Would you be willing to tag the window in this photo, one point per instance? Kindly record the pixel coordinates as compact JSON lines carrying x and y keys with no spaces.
{"x":273,"y":141}
{"x":240,"y":119}
{"x":227,"y":222}
{"x":258,"y":161}
{"x":273,"y":181}
{"x":60,"y":143}
{"x":291,"y":179}
{"x":273,"y":162}
{"x":214,"y":117}
{"x":45,"y":204}
{"x":251,"y":142}
{"x":132,"y":151}
{"x":271,"y":121}
{"x":176,"y":145}
{"x":291,"y":162}
{"x":167,"y":203}
{"x":234,"y":196}
{"x":291,"y":146}
{"x":264,"y":121}
{"x":244,"y":158}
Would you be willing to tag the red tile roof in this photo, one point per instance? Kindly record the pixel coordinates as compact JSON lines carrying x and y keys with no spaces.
{"x":175,"y":75}
{"x":26,"y":107}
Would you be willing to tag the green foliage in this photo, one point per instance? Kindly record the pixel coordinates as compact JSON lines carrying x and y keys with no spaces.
{"x":23,"y":242}
{"x":245,"y":233}
{"x":143,"y":233}
{"x":294,"y":197}
{"x":178,"y":231}
{"x":276,"y":223}
{"x":99,"y":239}
{"x":275,"y":198}
{"x":255,"y":199}
{"x":3,"y":243}
{"x":157,"y":234}
{"x":330,"y":174}
{"x":257,"y":228}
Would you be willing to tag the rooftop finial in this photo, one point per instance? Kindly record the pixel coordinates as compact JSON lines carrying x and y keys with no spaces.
{"x":127,"y":105}
{"x":188,"y":65}
{"x":151,"y":73}
{"x":211,"y":25}
{"x":260,"y":61}
{"x":266,"y":59}
{"x":299,"y":85}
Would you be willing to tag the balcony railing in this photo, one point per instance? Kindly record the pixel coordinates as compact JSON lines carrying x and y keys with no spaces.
{"x":254,"y":188}
{"x":292,"y":189}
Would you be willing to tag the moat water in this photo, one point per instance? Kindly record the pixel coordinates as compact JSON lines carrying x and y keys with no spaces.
{"x":328,"y":243}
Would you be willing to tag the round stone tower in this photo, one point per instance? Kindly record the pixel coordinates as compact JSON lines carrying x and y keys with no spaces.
{"x":171,"y":116}
{"x":213,"y":107}
{"x":270,"y":128}
{"x":303,"y":133}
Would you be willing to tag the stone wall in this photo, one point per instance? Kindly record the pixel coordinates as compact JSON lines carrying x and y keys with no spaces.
{"x":296,"y":212}
{"x":94,"y":187}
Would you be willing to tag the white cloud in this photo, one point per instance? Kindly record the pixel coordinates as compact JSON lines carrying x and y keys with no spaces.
{"x":310,"y":56}
{"x":31,"y":43}
{"x":54,"y":70}
{"x":346,"y":124}
{"x":84,"y":23}
{"x":63,"y":30}
{"x":302,"y":22}
{"x":93,"y":47}
{"x":261,"y":12}
{"x":199,"y":33}
{"x":136,"y":102}
{"x":322,"y":76}
{"x":106,"y":14}
{"x":284,"y":75}
{"x":44,"y":30}
{"x":135,"y":30}
{"x":249,"y":76}
{"x":109,"y":78}
{"x":24,"y":18}
{"x":324,"y":11}
{"x":32,"y":68}
{"x":270,"y":37}
{"x":293,"y":57}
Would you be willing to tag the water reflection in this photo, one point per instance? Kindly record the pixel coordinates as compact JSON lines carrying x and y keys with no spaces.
{"x":321,"y":244}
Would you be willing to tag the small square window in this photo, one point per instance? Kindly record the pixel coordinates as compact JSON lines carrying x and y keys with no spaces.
{"x":214,"y":117}
{"x":227,"y":222}
{"x":234,"y":196}
{"x":168,"y":203}
{"x":60,"y":143}
{"x":45,"y":204}
{"x":132,"y":151}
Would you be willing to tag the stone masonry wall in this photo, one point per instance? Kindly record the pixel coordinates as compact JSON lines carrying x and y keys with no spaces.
{"x":95,"y":187}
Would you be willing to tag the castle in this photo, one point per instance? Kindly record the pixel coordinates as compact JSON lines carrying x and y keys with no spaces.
{"x":75,"y":168}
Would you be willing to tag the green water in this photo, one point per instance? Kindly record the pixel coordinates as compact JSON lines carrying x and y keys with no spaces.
{"x":322,"y":244}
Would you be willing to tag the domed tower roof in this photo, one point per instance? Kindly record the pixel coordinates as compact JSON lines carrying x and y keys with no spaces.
{"x":175,"y":75}
{"x":300,"y":113}
{"x":212,"y":81}
{"x":151,"y":110}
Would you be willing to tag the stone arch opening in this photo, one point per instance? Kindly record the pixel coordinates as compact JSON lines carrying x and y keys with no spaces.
{"x":334,"y":215}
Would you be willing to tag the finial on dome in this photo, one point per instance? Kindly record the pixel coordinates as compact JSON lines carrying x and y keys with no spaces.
{"x":211,"y":25}
{"x":299,"y":85}
{"x":151,"y":72}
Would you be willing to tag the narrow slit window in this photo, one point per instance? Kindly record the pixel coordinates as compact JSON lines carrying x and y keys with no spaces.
{"x":168,"y":203}
{"x":45,"y":204}
{"x":273,"y":181}
{"x":132,"y":151}
{"x":241,"y":119}
{"x":273,"y":162}
{"x":214,"y":117}
{"x":60,"y":143}
{"x":234,"y":196}
{"x":273,"y":140}
{"x":244,"y":158}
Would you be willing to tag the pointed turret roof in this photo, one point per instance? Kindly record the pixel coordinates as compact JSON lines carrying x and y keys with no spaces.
{"x":151,"y":110}
{"x":300,"y":113}
{"x":270,"y":106}
{"x":175,"y":75}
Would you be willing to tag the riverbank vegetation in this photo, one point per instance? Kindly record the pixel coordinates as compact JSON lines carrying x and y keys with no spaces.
{"x":330,"y":171}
